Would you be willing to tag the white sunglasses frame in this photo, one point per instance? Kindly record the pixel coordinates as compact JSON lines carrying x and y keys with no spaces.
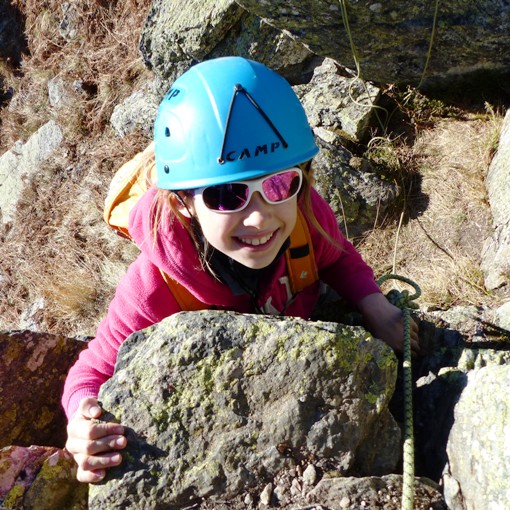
{"x":253,"y":186}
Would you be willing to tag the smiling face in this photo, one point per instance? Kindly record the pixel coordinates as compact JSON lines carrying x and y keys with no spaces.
{"x":254,"y":236}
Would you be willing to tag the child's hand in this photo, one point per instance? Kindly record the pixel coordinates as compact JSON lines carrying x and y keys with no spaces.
{"x":91,"y":442}
{"x":385,"y":321}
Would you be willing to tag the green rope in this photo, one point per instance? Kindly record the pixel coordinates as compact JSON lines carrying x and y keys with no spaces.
{"x":404,"y":301}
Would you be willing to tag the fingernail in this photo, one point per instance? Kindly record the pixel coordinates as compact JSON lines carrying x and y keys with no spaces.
{"x":121,"y":441}
{"x":95,"y":410}
{"x":116,"y":457}
{"x":100,"y":474}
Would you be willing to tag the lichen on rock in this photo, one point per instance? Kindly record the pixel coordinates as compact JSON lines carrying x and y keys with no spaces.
{"x":209,"y":396}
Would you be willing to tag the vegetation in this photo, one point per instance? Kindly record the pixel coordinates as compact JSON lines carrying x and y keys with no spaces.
{"x":59,"y":256}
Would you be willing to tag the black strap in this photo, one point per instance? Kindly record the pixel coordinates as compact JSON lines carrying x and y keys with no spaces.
{"x":239,"y":88}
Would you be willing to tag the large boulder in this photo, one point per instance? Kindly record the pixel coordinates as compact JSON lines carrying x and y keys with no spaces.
{"x":338,"y":104}
{"x":391,"y":39}
{"x":478,"y":472}
{"x":180,"y":33}
{"x":340,"y":110}
{"x":496,"y":253}
{"x":33,"y":368}
{"x":185,"y":31}
{"x":39,"y":478}
{"x":216,"y":403}
{"x":22,"y":161}
{"x":454,"y":344}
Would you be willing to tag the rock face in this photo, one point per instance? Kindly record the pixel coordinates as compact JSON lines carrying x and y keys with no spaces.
{"x":392,"y":38}
{"x":24,"y":159}
{"x":216,"y":403}
{"x":39,"y":478}
{"x":204,"y":21}
{"x":496,"y":256}
{"x":479,"y":444}
{"x":180,"y":33}
{"x":33,"y":367}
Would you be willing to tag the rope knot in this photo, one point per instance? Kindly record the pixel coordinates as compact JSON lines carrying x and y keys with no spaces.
{"x":401,"y":299}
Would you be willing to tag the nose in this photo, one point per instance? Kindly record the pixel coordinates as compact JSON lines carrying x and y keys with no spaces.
{"x":257,"y":211}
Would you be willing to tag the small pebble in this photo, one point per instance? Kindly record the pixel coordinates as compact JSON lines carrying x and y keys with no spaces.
{"x":310,"y":475}
{"x":265,"y":495}
{"x":295,"y":488}
{"x":281,"y":493}
{"x":345,"y":502}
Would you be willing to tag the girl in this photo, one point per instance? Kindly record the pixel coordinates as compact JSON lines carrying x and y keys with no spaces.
{"x":232,"y":152}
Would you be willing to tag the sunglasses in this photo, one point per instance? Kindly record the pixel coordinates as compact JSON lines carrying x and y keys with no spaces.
{"x":235,"y":196}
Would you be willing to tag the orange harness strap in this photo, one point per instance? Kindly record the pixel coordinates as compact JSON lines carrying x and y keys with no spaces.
{"x":300,"y":257}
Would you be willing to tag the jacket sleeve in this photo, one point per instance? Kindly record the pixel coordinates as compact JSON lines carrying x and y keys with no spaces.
{"x":342,"y":268}
{"x":141,"y":300}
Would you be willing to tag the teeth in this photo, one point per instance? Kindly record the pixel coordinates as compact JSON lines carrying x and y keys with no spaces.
{"x":258,"y":241}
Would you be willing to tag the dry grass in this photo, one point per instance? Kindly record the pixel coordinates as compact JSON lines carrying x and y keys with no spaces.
{"x":446,"y":218}
{"x":102,"y":54}
{"x":58,"y":245}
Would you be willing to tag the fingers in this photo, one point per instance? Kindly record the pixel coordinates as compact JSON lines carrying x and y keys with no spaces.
{"x":92,"y":447}
{"x":87,"y":429}
{"x":415,"y":340}
{"x":93,"y":457}
{"x":415,"y":348}
{"x":89,"y":407}
{"x":91,"y":442}
{"x":90,"y":476}
{"x":92,"y":469}
{"x":83,"y":425}
{"x":415,"y":335}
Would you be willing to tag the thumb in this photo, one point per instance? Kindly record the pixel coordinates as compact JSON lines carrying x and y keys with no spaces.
{"x":90,"y":408}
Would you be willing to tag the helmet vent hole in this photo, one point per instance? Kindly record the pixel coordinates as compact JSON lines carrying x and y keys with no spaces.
{"x":167,"y":132}
{"x":166,"y":169}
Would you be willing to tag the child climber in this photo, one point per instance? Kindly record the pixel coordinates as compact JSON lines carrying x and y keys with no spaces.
{"x":233,"y":153}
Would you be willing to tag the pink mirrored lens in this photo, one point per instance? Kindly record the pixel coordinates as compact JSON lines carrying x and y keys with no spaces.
{"x":281,"y":186}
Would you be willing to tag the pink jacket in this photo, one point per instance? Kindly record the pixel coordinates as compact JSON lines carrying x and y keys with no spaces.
{"x":142,"y":298}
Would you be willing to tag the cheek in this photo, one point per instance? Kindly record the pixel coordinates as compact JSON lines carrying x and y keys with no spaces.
{"x":288,"y":214}
{"x":214,"y":226}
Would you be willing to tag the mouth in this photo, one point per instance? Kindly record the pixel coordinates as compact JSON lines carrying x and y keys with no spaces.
{"x":257,"y":241}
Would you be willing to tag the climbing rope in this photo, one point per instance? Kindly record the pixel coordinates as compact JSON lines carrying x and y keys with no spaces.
{"x":404,"y":301}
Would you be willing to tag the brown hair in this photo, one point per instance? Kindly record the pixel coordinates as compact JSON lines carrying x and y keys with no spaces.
{"x":306,"y":197}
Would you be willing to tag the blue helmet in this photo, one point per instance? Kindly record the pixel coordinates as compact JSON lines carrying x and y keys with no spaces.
{"x":229,"y":119}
